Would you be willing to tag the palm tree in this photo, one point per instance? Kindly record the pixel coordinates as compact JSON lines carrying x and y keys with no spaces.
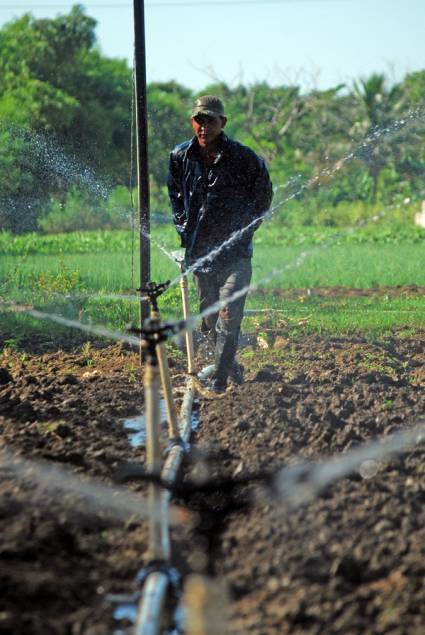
{"x":379,"y":105}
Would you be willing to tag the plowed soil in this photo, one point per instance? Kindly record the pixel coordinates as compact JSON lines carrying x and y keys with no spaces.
{"x":350,"y":562}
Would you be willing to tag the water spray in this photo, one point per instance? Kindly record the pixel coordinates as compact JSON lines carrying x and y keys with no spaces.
{"x":190,"y":322}
{"x":357,"y":152}
{"x":90,"y":495}
{"x":302,"y":482}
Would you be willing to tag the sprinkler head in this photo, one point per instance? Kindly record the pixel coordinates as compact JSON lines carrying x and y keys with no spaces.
{"x":154,"y":331}
{"x":153,"y":290}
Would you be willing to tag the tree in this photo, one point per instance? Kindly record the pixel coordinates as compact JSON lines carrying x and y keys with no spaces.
{"x":410,"y":150}
{"x":65,"y":126}
{"x":379,"y":106}
{"x":66,"y":107}
{"x":169,"y":124}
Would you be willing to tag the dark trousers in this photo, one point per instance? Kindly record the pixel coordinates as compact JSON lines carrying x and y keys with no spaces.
{"x":226,"y":323}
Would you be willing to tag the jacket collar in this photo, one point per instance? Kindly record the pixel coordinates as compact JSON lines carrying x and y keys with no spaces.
{"x":193,"y":147}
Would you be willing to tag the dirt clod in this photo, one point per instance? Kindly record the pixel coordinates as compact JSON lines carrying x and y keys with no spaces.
{"x":350,"y":562}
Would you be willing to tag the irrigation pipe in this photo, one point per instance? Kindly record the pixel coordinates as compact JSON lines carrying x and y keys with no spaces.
{"x":153,"y":461}
{"x":156,"y":586}
{"x":152,"y":604}
{"x":176,"y":452}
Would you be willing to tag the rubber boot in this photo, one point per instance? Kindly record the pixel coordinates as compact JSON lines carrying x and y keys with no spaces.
{"x":236,"y":374}
{"x":225,"y":351}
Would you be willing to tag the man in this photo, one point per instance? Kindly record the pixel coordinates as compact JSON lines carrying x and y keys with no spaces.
{"x":219,"y":191}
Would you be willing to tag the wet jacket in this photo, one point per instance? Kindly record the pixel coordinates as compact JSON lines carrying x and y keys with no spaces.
{"x":211,"y":203}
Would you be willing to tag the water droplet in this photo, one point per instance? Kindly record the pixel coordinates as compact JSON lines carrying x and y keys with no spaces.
{"x":369,"y":469}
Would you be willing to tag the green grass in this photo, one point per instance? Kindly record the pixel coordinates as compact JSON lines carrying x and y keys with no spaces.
{"x":364,"y":266}
{"x":72,"y":274}
{"x":102,"y":260}
{"x":374,"y":315}
{"x":271,"y":233}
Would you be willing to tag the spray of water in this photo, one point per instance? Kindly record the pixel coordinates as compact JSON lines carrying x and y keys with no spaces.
{"x":303,"y":482}
{"x":159,"y":245}
{"x":81,"y":326}
{"x":192,"y":322}
{"x":361,"y":150}
{"x":292,"y":265}
{"x":298,"y":262}
{"x":50,"y":158}
{"x":95,"y":498}
{"x":366,"y":146}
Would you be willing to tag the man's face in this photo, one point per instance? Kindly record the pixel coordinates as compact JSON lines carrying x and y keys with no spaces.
{"x":207,"y":129}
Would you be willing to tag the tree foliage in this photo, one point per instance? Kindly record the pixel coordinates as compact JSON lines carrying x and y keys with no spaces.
{"x":65,"y":130}
{"x":64,"y":111}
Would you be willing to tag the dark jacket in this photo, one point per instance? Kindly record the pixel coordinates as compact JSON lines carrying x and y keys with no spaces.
{"x":211,"y":203}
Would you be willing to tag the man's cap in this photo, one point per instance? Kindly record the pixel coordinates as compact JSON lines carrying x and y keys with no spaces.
{"x":208,"y":105}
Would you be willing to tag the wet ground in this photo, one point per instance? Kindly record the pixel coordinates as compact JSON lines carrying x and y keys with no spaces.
{"x":351,"y":562}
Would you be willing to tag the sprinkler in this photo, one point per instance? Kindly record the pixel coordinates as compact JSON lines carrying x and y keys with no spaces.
{"x":152,"y":335}
{"x":153,"y":291}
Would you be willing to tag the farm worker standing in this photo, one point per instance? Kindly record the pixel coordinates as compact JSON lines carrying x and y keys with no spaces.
{"x":218,"y":187}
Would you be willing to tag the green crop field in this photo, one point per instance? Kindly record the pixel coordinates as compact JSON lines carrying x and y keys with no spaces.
{"x":80,"y":275}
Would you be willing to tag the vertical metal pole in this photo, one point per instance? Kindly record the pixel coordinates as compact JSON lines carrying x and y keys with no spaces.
{"x":142,"y":150}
